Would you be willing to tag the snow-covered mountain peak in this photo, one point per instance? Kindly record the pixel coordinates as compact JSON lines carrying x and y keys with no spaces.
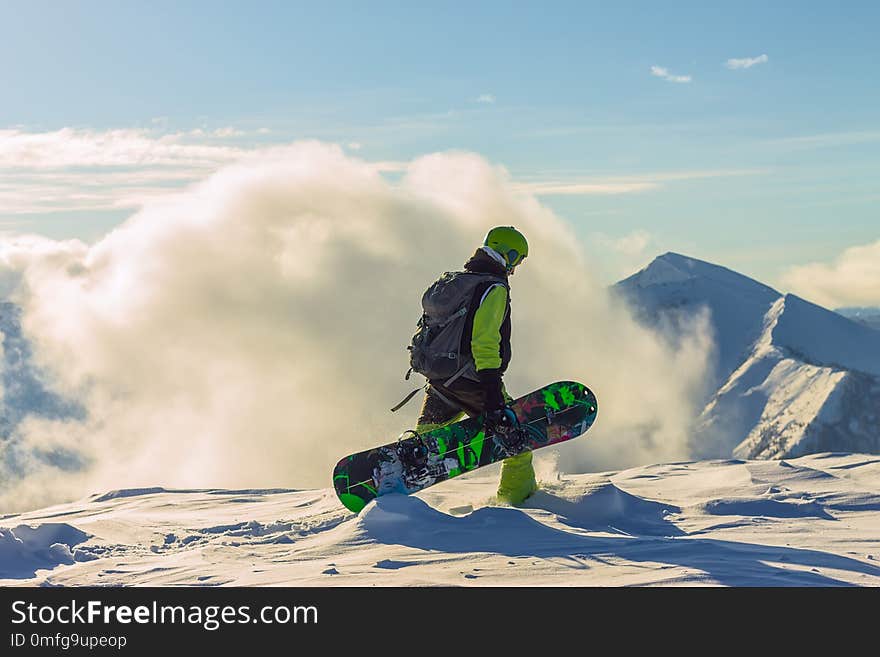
{"x":791,"y":377}
{"x":672,"y":268}
{"x":677,"y":286}
{"x":668,"y":268}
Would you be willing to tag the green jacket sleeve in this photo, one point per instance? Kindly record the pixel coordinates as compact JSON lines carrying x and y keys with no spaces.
{"x":486,"y":334}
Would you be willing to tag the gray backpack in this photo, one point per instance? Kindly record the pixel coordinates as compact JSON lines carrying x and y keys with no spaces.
{"x":435,"y":349}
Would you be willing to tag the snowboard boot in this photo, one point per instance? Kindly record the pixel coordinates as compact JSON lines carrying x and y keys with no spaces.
{"x":517,"y":479}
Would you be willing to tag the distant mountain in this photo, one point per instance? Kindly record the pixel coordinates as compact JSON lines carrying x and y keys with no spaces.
{"x":867,"y":316}
{"x":674,"y":287}
{"x":792,"y":377}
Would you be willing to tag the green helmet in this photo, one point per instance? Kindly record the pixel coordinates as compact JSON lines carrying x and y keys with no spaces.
{"x":509,"y":243}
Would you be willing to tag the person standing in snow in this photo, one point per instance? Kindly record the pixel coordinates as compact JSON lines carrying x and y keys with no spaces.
{"x":476,"y":388}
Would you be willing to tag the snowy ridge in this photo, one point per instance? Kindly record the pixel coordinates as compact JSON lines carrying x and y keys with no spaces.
{"x":800,"y":378}
{"x":824,"y":337}
{"x":719,"y":522}
{"x":675,"y":287}
{"x":793,"y":395}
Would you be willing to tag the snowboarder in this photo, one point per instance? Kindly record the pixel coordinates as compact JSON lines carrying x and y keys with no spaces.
{"x":477,"y":388}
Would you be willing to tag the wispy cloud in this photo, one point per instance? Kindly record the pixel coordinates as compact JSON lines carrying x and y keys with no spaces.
{"x":488,"y":99}
{"x":623,"y":184}
{"x":631,"y":245}
{"x":580,"y":189}
{"x":829,"y":139}
{"x":77,"y":169}
{"x":746,"y":62}
{"x":74,"y":169}
{"x":664,"y":73}
{"x":70,"y":147}
{"x":620,"y":255}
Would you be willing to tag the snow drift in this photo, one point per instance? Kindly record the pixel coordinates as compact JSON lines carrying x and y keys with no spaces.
{"x":803,"y":522}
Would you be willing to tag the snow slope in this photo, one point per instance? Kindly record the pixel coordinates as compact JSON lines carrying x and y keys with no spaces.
{"x":794,"y":378}
{"x":811,"y":521}
{"x":674,"y":285}
{"x":870,"y":317}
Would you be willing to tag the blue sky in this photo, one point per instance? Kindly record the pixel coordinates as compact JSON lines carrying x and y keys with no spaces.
{"x":625,"y":117}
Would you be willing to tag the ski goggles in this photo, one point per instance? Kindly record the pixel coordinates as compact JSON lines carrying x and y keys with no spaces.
{"x":513,"y":258}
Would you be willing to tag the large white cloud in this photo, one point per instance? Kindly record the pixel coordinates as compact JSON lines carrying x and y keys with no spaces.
{"x":853,"y":279}
{"x":251,"y":330}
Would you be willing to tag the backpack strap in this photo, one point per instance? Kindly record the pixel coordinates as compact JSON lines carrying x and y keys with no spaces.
{"x":446,"y":399}
{"x":459,"y":313}
{"x":464,"y":368}
{"x":406,"y":399}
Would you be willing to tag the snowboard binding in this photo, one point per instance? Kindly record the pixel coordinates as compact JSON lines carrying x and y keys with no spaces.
{"x":412,"y":451}
{"x":507,"y":432}
{"x":512,"y":442}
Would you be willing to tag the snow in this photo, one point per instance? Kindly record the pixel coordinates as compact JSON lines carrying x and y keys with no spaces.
{"x":783,"y":488}
{"x":826,"y":338}
{"x":794,"y":394}
{"x":24,"y":549}
{"x":674,"y":284}
{"x":793,"y":377}
{"x":806,"y":521}
{"x":869,"y":317}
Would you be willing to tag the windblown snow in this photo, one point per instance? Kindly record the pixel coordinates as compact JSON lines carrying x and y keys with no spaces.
{"x":783,"y":488}
{"x":801,"y":522}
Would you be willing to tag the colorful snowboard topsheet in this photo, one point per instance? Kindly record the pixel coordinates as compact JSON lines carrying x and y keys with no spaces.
{"x":555,"y":413}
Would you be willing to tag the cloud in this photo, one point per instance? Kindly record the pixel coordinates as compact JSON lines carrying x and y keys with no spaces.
{"x":632,"y":184}
{"x":828,"y":139}
{"x":486,"y":98}
{"x":69,"y":147}
{"x":251,"y":329}
{"x":228,"y":131}
{"x":34,"y":192}
{"x":78,"y":170}
{"x":747,"y":62}
{"x":579,"y":189}
{"x":633,"y":244}
{"x":618,"y":256}
{"x":83,"y":170}
{"x":852,"y":279}
{"x":663,"y":73}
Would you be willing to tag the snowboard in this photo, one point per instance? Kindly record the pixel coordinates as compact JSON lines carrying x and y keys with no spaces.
{"x":553,"y":414}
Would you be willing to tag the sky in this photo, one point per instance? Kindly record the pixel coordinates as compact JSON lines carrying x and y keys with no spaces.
{"x":746,"y":134}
